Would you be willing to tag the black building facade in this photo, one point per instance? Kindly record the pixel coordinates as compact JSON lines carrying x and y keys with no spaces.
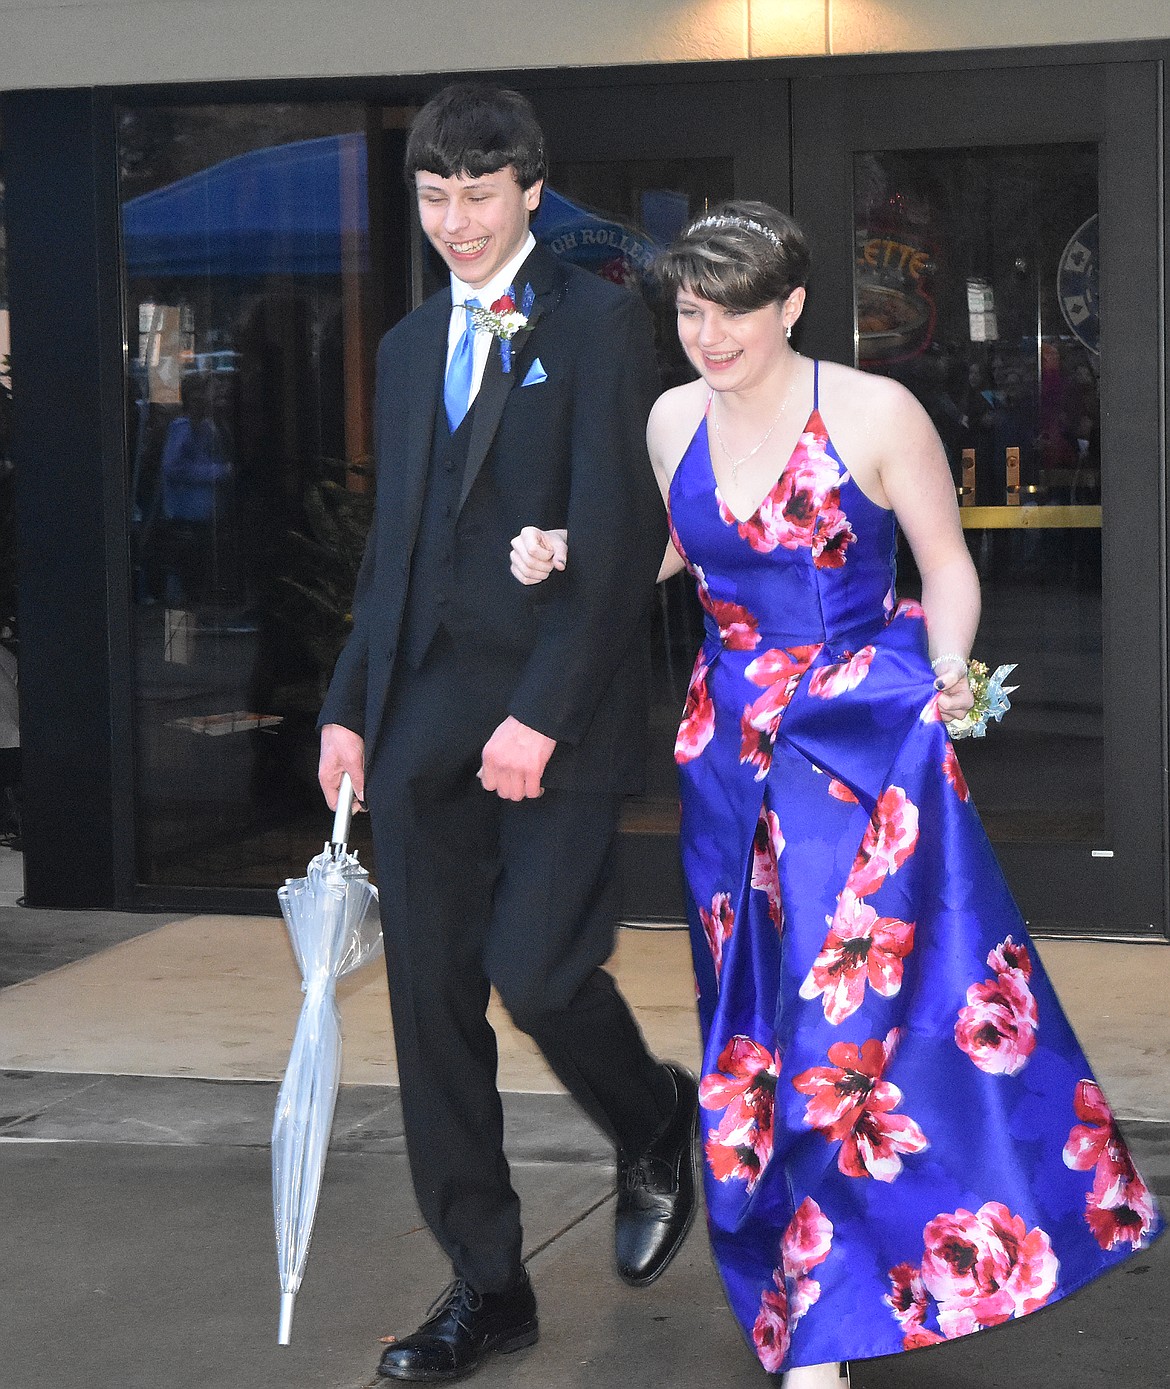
{"x":198,"y":276}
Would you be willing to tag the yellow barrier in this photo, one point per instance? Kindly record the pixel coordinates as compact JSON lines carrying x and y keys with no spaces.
{"x":1001,"y":518}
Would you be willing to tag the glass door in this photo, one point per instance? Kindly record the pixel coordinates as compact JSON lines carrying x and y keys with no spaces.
{"x":250,"y":299}
{"x":629,"y":166}
{"x":990,"y":240}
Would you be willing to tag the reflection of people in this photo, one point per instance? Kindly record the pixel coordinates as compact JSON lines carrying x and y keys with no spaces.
{"x":195,"y":468}
{"x":867,"y":992}
{"x":491,"y":734}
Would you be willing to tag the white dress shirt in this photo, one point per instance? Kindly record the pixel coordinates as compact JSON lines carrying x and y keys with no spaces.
{"x":487,"y":296}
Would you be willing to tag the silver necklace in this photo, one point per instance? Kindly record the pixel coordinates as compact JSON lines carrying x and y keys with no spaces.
{"x":737,"y":463}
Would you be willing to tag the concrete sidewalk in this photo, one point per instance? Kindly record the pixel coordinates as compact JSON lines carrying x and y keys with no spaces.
{"x":136,"y":1252}
{"x":136,"y":1246}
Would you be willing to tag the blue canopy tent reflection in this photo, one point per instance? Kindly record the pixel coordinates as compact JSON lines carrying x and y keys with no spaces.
{"x":303,"y":209}
{"x":293,"y":209}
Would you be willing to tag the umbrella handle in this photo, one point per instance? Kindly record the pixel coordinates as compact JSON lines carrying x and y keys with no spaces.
{"x":343,"y":814}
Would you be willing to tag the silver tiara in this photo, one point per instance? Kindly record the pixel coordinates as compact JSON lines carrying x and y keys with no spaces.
{"x":746,"y":223}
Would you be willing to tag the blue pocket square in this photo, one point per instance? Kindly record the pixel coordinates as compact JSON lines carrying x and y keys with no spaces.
{"x":536,"y":374}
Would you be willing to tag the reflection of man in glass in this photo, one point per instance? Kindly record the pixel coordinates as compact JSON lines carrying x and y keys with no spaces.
{"x":492,"y":733}
{"x":195,"y":469}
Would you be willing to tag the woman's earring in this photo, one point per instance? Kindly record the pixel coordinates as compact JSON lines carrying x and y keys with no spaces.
{"x":788,"y":331}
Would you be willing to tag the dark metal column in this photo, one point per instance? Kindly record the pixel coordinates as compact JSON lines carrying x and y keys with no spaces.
{"x":68,"y":445}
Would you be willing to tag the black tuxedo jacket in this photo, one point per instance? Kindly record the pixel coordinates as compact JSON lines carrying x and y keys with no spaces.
{"x":570,"y":656}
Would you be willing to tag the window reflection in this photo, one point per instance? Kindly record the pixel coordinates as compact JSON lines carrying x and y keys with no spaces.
{"x":245,"y":233}
{"x":255,"y":292}
{"x":976,"y":287}
{"x":612,"y":217}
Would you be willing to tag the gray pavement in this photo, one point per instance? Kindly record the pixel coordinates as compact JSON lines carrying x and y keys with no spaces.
{"x":136,"y":1247}
{"x":33,"y":942}
{"x":136,"y":1252}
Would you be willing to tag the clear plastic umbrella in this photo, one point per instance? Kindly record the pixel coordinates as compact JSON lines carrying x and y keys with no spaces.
{"x":332,"y":919}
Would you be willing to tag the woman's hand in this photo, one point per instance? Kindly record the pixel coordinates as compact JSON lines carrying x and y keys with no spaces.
{"x":954,"y":692}
{"x":536,"y":553}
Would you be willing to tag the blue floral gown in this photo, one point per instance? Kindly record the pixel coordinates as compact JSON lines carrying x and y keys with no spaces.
{"x":903,"y":1140}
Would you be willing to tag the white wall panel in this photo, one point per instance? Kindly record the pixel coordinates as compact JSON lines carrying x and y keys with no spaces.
{"x":111,"y":41}
{"x":89,"y":42}
{"x":886,"y":26}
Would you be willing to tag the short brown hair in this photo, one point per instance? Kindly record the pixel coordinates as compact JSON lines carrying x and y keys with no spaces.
{"x":740,"y":255}
{"x":473,"y":129}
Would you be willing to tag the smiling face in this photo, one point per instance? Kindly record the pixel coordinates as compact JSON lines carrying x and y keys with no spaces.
{"x":733,"y":350}
{"x":476,"y":224}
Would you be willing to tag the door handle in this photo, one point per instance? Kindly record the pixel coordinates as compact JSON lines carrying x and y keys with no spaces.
{"x":967,"y":486}
{"x":1012,"y":476}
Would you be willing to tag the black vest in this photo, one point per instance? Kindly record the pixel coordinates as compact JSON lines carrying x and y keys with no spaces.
{"x":431,"y":568}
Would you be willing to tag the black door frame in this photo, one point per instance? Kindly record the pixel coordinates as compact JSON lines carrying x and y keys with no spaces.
{"x":69,"y":411}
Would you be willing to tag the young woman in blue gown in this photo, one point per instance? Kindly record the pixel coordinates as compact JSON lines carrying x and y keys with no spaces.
{"x":904,"y":1142}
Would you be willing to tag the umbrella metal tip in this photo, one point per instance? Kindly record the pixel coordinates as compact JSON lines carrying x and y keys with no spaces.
{"x":284,"y":1334}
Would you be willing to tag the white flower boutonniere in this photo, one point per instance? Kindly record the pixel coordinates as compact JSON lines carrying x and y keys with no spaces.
{"x":504,"y":320}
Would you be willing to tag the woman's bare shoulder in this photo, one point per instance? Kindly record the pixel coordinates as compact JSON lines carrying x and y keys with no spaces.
{"x":673,"y":421}
{"x":870,"y":416}
{"x":850,"y":387}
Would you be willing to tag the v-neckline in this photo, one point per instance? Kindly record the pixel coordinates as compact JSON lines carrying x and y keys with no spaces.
{"x":747,"y":520}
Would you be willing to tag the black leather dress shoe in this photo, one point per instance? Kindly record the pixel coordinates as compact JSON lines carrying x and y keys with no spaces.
{"x":656,"y":1191}
{"x":463,"y":1327}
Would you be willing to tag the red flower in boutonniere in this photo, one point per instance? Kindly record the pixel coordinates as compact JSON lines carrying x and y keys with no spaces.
{"x":504,"y":320}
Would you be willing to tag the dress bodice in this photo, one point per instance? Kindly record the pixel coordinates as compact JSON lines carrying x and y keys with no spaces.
{"x":815,"y":561}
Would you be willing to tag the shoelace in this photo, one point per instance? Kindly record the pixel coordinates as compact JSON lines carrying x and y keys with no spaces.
{"x":633,"y":1176}
{"x":638,"y":1174}
{"x":459,"y":1298}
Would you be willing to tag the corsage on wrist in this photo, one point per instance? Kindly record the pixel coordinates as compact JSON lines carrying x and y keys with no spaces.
{"x":991,"y":698}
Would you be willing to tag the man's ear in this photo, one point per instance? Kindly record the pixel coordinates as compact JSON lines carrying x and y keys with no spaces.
{"x":532,"y":195}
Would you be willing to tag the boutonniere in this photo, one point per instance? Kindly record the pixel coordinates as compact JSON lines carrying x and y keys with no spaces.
{"x":504,"y":320}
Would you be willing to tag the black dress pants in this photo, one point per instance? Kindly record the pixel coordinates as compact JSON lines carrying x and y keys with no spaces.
{"x":478,"y":891}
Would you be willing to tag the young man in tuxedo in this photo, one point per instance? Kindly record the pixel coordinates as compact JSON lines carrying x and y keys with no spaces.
{"x":493,"y":728}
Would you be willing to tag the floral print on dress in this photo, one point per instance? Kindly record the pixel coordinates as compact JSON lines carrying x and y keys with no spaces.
{"x":889,"y":841}
{"x":861,"y":948}
{"x":767,"y":847}
{"x":851,"y":1104}
{"x":979,"y":1268}
{"x":840,"y":792}
{"x":718,"y":923}
{"x":1119,"y":1208}
{"x":698,"y":719}
{"x":954,"y":773}
{"x":930,"y":711}
{"x":845,"y":675}
{"x":803,"y":509}
{"x":832,"y":535}
{"x":739,"y":1147}
{"x":807,"y":1242}
{"x":738,"y":629}
{"x":997,"y":1028}
{"x":780,"y":671}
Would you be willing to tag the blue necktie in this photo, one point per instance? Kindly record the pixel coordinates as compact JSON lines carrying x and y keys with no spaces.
{"x":457,"y":385}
